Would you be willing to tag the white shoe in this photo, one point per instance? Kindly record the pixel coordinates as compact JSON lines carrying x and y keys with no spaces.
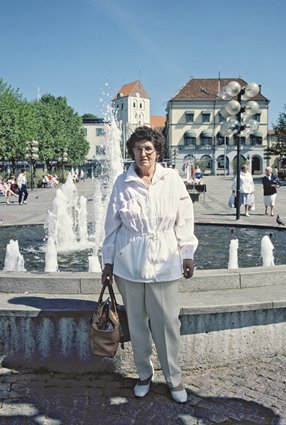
{"x":24,"y":202}
{"x":247,"y":215}
{"x":142,"y":388}
{"x":180,"y":395}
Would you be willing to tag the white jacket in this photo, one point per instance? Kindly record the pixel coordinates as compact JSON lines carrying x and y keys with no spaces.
{"x":246,"y":183}
{"x":21,"y":180}
{"x":149,"y":230}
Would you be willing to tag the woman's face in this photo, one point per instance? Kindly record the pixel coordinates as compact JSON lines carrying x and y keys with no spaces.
{"x":145,"y":154}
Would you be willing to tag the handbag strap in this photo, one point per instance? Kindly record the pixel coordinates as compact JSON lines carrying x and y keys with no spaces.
{"x":108,"y":285}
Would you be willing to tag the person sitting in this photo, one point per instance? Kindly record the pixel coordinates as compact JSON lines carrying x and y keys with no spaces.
{"x":45,"y":181}
{"x":12,"y":189}
{"x":3,"y":187}
{"x":197,"y":174}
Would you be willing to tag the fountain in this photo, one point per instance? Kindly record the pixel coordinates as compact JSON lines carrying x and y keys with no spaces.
{"x":51,"y":260}
{"x":67,"y":222}
{"x":233,"y":258}
{"x":14,"y":261}
{"x":103,"y":186}
{"x":267,"y":251}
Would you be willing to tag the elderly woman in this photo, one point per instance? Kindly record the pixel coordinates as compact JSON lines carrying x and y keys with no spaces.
{"x":246,"y":188}
{"x":270,"y":184}
{"x":149,"y":242}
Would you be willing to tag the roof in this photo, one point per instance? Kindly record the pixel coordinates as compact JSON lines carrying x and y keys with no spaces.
{"x":208,"y":89}
{"x":157,"y":121}
{"x":93,"y":120}
{"x":130,"y":89}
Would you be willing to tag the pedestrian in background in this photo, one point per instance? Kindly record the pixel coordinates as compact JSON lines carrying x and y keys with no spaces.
{"x":246,"y":189}
{"x":270,"y":185}
{"x":149,"y":243}
{"x":22,"y":186}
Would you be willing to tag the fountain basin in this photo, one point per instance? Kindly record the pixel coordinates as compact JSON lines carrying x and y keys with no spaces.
{"x":226,"y":316}
{"x":212,"y":252}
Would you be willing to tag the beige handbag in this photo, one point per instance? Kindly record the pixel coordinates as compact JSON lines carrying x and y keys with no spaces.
{"x":105,"y":328}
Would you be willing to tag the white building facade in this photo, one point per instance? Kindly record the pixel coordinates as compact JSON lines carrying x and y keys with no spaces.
{"x":193,"y":130}
{"x":94,"y":131}
{"x":132,"y":108}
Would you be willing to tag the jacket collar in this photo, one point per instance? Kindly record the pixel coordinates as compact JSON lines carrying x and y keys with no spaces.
{"x":131,"y":174}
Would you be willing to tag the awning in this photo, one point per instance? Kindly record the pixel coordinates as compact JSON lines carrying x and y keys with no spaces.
{"x":206,"y":133}
{"x":190,"y":133}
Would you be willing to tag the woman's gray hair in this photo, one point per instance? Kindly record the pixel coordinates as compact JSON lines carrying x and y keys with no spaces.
{"x":268,"y":169}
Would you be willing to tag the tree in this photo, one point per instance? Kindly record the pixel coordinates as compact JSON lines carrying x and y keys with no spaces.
{"x":10,"y":134}
{"x":89,"y":116}
{"x":60,"y":129}
{"x":280,"y":132}
{"x":279,"y":147}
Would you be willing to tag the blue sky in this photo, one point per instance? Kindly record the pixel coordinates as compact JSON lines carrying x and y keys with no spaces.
{"x":86,"y":50}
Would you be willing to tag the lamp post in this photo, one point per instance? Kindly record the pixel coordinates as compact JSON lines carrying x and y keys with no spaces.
{"x":32,"y":155}
{"x":174,"y":156}
{"x":238,"y":122}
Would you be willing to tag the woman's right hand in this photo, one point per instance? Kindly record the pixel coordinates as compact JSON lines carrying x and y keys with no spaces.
{"x":107,"y":274}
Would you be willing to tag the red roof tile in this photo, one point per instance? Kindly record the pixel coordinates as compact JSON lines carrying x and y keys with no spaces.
{"x":202,"y":89}
{"x":130,"y":89}
{"x":157,"y":121}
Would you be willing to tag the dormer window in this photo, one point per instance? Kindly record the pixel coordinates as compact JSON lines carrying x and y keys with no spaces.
{"x":206,"y":117}
{"x":189,"y":117}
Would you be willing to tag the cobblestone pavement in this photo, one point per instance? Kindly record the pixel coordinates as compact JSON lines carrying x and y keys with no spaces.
{"x":211,"y":208}
{"x":247,"y":393}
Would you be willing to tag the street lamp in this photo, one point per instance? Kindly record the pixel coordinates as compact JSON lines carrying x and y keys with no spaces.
{"x":174,"y":156}
{"x":32,"y":155}
{"x":239,"y":121}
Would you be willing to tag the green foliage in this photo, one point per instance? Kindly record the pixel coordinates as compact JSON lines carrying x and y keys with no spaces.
{"x":89,"y":116}
{"x":279,"y":148}
{"x":10,"y":105}
{"x":60,"y":129}
{"x":50,"y":121}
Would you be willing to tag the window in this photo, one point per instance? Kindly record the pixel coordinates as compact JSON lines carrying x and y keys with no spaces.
{"x":121,"y":105}
{"x":207,"y":161}
{"x":85,"y":132}
{"x":205,"y":141}
{"x":255,"y":140}
{"x":140,"y":105}
{"x":100,"y":131}
{"x":206,"y":117}
{"x":222,"y":162}
{"x":189,"y":141}
{"x":134,"y":105}
{"x":242,"y":140}
{"x":189,"y":117}
{"x":100,"y":150}
{"x":220,"y":139}
{"x":256,"y":117}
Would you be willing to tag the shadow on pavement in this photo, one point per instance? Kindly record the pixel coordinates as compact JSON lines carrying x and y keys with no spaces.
{"x":90,"y":399}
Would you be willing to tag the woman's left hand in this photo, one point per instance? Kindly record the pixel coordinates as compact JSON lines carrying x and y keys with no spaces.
{"x":188,"y":268}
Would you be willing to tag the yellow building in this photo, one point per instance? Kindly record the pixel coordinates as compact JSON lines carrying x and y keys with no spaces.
{"x":193,"y":125}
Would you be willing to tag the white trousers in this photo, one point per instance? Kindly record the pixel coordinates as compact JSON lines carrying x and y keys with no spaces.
{"x":153,"y":310}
